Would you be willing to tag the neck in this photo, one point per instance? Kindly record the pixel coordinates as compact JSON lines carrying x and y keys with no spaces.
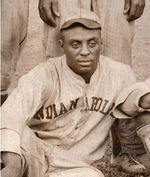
{"x":87,"y":77}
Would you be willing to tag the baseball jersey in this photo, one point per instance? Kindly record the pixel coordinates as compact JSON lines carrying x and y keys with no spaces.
{"x":63,"y":110}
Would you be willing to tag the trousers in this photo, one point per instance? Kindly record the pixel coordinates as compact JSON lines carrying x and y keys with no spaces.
{"x":134,"y":137}
{"x":38,"y":160}
{"x":14,"y":32}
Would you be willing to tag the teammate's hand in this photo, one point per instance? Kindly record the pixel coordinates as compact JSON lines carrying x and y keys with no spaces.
{"x":48,"y":10}
{"x":12,"y":164}
{"x":133,"y":9}
{"x":145,"y":101}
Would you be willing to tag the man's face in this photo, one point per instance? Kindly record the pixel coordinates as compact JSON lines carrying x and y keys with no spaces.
{"x":82,"y":48}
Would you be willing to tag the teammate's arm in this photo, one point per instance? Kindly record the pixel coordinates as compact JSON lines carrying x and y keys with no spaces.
{"x":48,"y":10}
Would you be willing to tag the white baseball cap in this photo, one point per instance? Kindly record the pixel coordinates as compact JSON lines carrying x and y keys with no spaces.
{"x":82,"y":16}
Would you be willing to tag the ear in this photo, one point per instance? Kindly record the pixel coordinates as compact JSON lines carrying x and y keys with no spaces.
{"x":61,"y":42}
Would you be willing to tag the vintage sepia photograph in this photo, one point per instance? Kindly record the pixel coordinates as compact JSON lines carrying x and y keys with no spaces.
{"x":75,"y":88}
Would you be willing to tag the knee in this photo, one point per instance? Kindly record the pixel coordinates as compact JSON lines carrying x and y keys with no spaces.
{"x":93,"y":173}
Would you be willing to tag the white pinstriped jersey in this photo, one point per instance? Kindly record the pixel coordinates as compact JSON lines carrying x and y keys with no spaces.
{"x":62,"y":109}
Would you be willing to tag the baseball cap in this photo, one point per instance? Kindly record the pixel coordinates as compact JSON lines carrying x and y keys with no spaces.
{"x":83,"y":16}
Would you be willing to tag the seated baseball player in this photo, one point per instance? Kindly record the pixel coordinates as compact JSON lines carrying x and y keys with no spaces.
{"x":135,"y":102}
{"x":56,"y":122}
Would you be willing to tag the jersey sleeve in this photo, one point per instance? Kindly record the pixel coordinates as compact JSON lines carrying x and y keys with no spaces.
{"x":21,"y":105}
{"x":127,"y":79}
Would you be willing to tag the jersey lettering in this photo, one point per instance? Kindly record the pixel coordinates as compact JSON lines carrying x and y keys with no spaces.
{"x":97,"y":104}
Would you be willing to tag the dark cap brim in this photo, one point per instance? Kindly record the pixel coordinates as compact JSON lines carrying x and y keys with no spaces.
{"x":85,"y":22}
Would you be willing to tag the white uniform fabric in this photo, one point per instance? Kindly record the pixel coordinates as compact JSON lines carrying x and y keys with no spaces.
{"x":117,"y":33}
{"x":71,"y":116}
{"x":133,"y":93}
{"x":14,"y":32}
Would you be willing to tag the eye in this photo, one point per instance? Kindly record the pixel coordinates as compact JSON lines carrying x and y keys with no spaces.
{"x":75,"y":44}
{"x":92,"y":43}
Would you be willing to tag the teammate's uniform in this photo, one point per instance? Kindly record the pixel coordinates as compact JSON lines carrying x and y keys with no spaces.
{"x":14,"y":32}
{"x":71,"y":119}
{"x":117,"y":32}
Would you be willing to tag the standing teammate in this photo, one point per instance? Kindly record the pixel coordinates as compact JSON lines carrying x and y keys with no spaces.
{"x":58,"y":118}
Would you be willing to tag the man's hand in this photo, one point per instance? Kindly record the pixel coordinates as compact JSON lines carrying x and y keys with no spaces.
{"x":12,"y":164}
{"x":48,"y":10}
{"x":144,"y":101}
{"x":133,"y":9}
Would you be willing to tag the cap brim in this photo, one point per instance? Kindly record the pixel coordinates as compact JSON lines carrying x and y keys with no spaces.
{"x":85,"y":22}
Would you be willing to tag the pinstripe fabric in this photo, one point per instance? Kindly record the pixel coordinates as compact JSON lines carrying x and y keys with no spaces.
{"x":117,"y":32}
{"x":14,"y":32}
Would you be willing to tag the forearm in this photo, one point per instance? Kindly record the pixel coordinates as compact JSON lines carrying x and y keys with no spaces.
{"x":135,"y":103}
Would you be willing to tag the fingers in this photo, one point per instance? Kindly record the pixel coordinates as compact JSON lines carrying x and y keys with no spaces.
{"x":55,"y":8}
{"x":48,"y":10}
{"x":127,"y":6}
{"x":134,"y":9}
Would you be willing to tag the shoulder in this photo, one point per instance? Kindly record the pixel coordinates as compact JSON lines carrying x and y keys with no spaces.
{"x":120,"y":73}
{"x":44,"y":71}
{"x":49,"y":66}
{"x":116,"y":67}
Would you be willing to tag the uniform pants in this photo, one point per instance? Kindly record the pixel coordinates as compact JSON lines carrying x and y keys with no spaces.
{"x":41,"y":159}
{"x":14,"y":33}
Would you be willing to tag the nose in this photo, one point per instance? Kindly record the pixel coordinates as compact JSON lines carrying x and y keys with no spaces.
{"x":84,"y":50}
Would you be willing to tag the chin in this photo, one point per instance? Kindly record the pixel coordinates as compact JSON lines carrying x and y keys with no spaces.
{"x":85,"y":70}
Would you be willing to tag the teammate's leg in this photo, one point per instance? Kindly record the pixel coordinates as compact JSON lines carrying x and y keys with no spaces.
{"x":14,"y":32}
{"x":117,"y":32}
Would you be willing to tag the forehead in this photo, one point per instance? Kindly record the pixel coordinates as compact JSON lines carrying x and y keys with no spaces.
{"x":81,"y":33}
